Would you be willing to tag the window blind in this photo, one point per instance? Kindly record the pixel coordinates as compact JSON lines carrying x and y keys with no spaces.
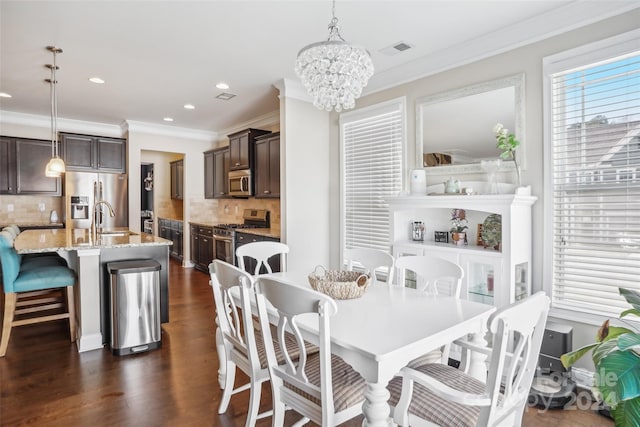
{"x":372,"y":171}
{"x":595,"y":179}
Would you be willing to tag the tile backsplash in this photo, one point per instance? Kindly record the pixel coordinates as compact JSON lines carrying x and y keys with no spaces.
{"x":29,"y":209}
{"x":215,"y":211}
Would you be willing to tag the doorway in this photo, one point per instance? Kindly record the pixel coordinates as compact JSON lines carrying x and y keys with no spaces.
{"x":146,"y":197}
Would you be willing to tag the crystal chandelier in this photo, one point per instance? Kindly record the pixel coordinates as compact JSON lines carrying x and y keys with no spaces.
{"x":55,"y":168}
{"x":334,"y":71}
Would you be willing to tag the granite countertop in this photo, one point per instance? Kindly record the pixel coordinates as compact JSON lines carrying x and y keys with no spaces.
{"x":267,"y":232}
{"x":23,"y":225}
{"x":52,"y":240}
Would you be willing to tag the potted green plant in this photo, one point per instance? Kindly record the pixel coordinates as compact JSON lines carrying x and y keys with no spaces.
{"x":508,"y":143}
{"x":458,"y":226}
{"x":616,"y":356}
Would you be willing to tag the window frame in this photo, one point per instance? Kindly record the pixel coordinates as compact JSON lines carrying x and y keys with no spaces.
{"x":582,"y":56}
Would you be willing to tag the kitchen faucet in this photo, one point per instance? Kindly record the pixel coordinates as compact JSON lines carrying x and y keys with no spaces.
{"x":96,"y":222}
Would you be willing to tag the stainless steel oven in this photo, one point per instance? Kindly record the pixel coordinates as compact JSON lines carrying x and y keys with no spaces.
{"x":223,"y":243}
{"x":224,"y":235}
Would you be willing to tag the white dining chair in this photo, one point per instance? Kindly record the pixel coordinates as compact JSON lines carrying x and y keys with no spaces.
{"x":436,"y":276}
{"x":371,"y":261}
{"x":321,"y":387}
{"x":261,"y":252}
{"x":437,"y":394}
{"x":243,"y":347}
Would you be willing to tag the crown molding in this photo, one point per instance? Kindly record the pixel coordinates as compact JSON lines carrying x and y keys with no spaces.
{"x":290,"y":88}
{"x":570,"y":17}
{"x":64,"y":125}
{"x":178,"y":132}
{"x":265,"y":120}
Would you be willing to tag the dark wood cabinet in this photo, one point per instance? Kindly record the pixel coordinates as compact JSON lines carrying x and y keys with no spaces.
{"x":93,"y":153}
{"x":172,"y":229}
{"x":201,"y":246}
{"x":242,"y":147}
{"x":23,"y":162}
{"x":243,"y":238}
{"x":177,"y":182}
{"x":267,"y":170}
{"x":7,"y":166}
{"x":216,"y":171}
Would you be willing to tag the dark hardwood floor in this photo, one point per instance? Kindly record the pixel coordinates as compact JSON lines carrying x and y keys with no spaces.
{"x":44,"y":381}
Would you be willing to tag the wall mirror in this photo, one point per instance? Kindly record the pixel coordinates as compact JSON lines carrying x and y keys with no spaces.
{"x":454,"y":129}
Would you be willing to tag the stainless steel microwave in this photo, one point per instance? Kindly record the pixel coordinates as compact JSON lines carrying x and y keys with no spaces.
{"x":240,"y":183}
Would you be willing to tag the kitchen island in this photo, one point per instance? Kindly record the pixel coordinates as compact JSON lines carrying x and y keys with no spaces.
{"x":88,"y":256}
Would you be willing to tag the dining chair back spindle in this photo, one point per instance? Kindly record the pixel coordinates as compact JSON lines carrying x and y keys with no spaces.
{"x":437,"y":394}
{"x":237,"y":333}
{"x":435,"y":276}
{"x":321,"y":387}
{"x":262,"y":252}
{"x":372,"y":261}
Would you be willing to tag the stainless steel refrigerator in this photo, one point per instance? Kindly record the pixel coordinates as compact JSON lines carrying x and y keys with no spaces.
{"x":83,"y":189}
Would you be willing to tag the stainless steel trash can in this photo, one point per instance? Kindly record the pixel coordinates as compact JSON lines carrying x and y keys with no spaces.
{"x":135,"y":306}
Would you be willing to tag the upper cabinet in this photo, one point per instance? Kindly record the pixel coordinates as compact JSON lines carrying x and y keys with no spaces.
{"x":94,"y":153}
{"x":242,"y":148}
{"x":216,"y":171}
{"x":177,"y":180}
{"x":267,"y":175}
{"x":22,"y":163}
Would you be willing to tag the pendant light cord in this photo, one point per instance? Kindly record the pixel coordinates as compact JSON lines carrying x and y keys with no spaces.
{"x":54,"y":105}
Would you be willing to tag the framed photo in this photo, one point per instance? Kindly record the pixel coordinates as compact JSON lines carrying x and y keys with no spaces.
{"x":441,"y":236}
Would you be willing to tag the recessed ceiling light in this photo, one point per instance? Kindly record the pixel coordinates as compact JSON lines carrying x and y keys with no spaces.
{"x":222,"y":85}
{"x":225,"y":96}
{"x":168,"y":119}
{"x":4,"y":95}
{"x":189,"y":107}
{"x":97,"y":80}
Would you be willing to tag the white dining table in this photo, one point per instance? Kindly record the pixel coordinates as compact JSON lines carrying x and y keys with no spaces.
{"x":389,"y":326}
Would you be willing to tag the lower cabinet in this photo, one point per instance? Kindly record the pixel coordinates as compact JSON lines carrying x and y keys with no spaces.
{"x":172,"y":229}
{"x":243,"y":238}
{"x":201,"y":246}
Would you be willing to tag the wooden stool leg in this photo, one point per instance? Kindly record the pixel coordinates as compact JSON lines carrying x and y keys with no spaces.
{"x":71,"y":308}
{"x":9,"y":309}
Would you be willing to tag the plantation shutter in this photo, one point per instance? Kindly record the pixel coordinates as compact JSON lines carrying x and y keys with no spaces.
{"x":595,"y":178}
{"x":372,"y":171}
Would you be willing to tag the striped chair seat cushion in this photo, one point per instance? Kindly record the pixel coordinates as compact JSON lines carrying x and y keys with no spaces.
{"x":348,"y":385}
{"x":437,"y":410}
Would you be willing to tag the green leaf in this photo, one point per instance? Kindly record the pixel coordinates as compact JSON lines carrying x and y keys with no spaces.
{"x":572,"y":357}
{"x":603,"y":350}
{"x":616,"y":331}
{"x":630,"y":311}
{"x":632,"y":297}
{"x":628,"y":341}
{"x":627,"y":413}
{"x":618,"y":375}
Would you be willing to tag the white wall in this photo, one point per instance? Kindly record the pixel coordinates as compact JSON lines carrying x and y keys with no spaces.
{"x":304,"y":174}
{"x":527,"y":59}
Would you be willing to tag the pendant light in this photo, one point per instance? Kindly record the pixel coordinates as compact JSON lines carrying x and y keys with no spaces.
{"x":55,"y":168}
{"x":333,"y":71}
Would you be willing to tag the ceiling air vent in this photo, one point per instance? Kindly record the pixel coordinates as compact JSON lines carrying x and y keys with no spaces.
{"x":396,"y":48}
{"x":225,"y":96}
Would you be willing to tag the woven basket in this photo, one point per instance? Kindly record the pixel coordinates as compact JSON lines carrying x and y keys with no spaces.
{"x":339,"y":284}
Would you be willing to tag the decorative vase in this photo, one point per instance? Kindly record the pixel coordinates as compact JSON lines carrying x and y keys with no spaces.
{"x":459,"y":239}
